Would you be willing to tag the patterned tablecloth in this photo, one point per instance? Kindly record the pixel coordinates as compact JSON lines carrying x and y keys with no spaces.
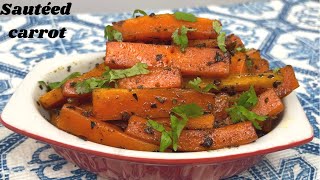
{"x":287,"y":32}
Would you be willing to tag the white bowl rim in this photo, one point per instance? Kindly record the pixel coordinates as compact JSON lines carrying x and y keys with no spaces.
{"x":21,"y":115}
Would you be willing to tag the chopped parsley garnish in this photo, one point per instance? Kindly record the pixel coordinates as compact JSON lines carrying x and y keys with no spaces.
{"x":242,"y":49}
{"x":181,"y":39}
{"x":55,"y":85}
{"x":221,"y":39}
{"x":111,"y":34}
{"x":137,"y":69}
{"x":88,"y":85}
{"x":195,"y":84}
{"x":240,"y":110}
{"x":108,"y":76}
{"x":276,"y":70}
{"x":139,"y":11}
{"x":179,"y":118}
{"x":185,"y":16}
{"x":217,"y":27}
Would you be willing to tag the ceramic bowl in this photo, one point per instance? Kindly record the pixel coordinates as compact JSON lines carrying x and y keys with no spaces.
{"x":24,"y":116}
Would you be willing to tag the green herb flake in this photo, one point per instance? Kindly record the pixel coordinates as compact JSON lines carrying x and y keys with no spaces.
{"x":55,"y":85}
{"x":217,"y":27}
{"x":185,"y":16}
{"x":110,"y":75}
{"x":137,"y":69}
{"x":189,"y":110}
{"x":87,"y":85}
{"x":195,"y":84}
{"x":222,"y":41}
{"x":181,"y":39}
{"x":139,"y":11}
{"x":248,"y":99}
{"x":276,"y":70}
{"x":111,"y":34}
{"x":240,"y":113}
{"x":177,"y":124}
{"x":240,"y":110}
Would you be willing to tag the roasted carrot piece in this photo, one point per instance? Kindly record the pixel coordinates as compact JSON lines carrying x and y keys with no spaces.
{"x":54,"y":114}
{"x":58,"y":97}
{"x":222,"y":101}
{"x":198,"y":62}
{"x":232,"y":42}
{"x":116,"y":104}
{"x":196,"y":140}
{"x":157,"y":78}
{"x":77,"y":122}
{"x":242,"y":82}
{"x":238,"y":63}
{"x":69,"y":89}
{"x":289,"y":83}
{"x":269,"y":104}
{"x":52,"y":99}
{"x":95,"y":72}
{"x":258,"y":65}
{"x":202,"y":122}
{"x":203,"y":43}
{"x":160,"y":28}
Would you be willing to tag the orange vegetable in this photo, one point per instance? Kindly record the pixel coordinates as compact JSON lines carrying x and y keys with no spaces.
{"x":116,"y":104}
{"x":196,"y":140}
{"x":69,"y":89}
{"x":289,"y":83}
{"x":52,"y":99}
{"x":198,"y":62}
{"x":54,"y":114}
{"x":235,"y":82}
{"x":57,"y":97}
{"x":232,"y":42}
{"x":259,"y":65}
{"x":79,"y":122}
{"x":159,"y":28}
{"x":157,"y":78}
{"x":269,"y":104}
{"x":221,"y":104}
{"x":202,"y":122}
{"x":238,"y":63}
{"x":203,"y":43}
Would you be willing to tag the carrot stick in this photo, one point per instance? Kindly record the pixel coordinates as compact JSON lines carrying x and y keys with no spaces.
{"x":202,"y":122}
{"x":116,"y":104}
{"x":198,"y":62}
{"x":79,"y":122}
{"x":196,"y":140}
{"x":238,"y":64}
{"x":58,"y":97}
{"x":259,"y":65}
{"x":232,"y":42}
{"x":157,"y":78}
{"x":69,"y":89}
{"x":160,"y":28}
{"x":235,"y":82}
{"x":52,"y":99}
{"x":289,"y":83}
{"x":269,"y":104}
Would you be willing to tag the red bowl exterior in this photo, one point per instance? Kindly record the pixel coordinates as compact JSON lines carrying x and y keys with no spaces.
{"x":121,"y":169}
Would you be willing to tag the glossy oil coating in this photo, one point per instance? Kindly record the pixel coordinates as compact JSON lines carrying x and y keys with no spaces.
{"x":160,"y":28}
{"x":194,"y":61}
{"x":115,"y":104}
{"x":157,"y":78}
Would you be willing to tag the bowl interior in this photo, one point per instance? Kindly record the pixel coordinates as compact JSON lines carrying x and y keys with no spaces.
{"x":292,"y":130}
